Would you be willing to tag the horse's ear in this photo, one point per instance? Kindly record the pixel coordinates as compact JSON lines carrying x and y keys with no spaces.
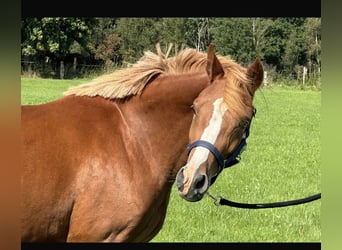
{"x":256,"y":73}
{"x":214,"y":67}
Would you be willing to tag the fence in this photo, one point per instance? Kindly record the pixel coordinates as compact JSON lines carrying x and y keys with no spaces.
{"x":304,"y":76}
{"x":59,"y":70}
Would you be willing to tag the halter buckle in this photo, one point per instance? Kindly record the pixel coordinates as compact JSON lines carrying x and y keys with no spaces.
{"x":215,"y":198}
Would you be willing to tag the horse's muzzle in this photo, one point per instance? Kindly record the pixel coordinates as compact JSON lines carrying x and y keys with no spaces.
{"x":192,"y":189}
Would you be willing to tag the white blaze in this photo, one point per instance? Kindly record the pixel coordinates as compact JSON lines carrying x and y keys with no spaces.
{"x":210,"y":133}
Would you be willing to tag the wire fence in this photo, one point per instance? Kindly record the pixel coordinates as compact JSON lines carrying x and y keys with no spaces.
{"x":303,"y":77}
{"x":60,"y":70}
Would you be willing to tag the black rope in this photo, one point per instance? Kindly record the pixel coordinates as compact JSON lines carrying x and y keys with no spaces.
{"x":222,"y":201}
{"x":269,"y":205}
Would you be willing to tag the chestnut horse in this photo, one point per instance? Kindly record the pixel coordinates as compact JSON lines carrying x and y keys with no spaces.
{"x":99,"y":163}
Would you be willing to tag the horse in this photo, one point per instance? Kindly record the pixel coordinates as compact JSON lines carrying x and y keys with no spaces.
{"x":99,"y":163}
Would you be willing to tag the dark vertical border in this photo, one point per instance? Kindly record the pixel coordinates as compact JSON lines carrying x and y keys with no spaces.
{"x":331,"y":125}
{"x":9,"y":123}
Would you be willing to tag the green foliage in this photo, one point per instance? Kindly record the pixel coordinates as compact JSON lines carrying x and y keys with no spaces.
{"x":285,"y":44}
{"x":104,"y":42}
{"x":197,"y":32}
{"x":53,"y":35}
{"x":233,"y":37}
{"x":142,"y":34}
{"x":138,"y":35}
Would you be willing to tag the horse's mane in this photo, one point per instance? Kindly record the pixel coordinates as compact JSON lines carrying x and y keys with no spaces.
{"x":131,"y":80}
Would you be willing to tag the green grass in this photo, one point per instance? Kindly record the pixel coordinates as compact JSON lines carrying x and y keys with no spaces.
{"x":36,"y":91}
{"x":282,"y":162}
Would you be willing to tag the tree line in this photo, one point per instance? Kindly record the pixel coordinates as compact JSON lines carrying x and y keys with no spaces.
{"x":289,"y":47}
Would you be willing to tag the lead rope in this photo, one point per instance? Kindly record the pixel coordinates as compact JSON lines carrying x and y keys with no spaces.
{"x":218,"y":200}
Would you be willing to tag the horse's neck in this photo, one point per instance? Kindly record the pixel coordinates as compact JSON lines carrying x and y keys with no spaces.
{"x":161,"y":116}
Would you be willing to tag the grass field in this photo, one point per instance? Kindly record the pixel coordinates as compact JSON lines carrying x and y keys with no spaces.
{"x":282,"y":162}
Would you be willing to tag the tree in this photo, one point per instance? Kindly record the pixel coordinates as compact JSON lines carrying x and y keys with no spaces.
{"x":197,"y":33}
{"x":259,"y":29}
{"x":171,"y":31}
{"x":234,"y":37}
{"x":312,"y":34}
{"x":294,"y":53}
{"x":284,"y":43}
{"x":137,"y":35}
{"x":54,"y":36}
{"x":104,"y":42}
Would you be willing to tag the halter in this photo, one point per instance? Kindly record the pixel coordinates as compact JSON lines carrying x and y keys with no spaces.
{"x":233,"y":159}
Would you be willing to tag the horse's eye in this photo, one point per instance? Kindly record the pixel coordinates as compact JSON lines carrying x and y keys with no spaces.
{"x":243,"y":123}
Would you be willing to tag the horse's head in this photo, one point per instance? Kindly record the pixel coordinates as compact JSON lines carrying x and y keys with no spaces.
{"x":222,"y":114}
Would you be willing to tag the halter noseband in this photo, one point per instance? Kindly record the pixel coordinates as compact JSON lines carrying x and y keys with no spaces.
{"x":233,"y":159}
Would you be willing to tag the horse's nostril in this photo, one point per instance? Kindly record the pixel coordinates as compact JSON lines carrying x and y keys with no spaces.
{"x":200,"y":181}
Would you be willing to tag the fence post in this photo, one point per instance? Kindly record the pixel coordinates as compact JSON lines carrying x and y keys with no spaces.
{"x":265,"y":78}
{"x":74,"y":64}
{"x":305,"y":70}
{"x":61,"y":70}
